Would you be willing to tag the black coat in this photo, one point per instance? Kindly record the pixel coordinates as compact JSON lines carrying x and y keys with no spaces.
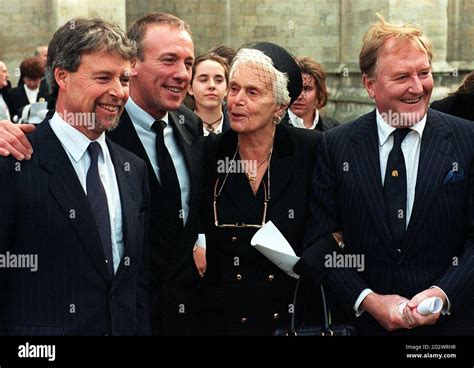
{"x":459,"y":104}
{"x":245,"y":293}
{"x":438,"y":246}
{"x":17,"y":98}
{"x":45,"y":212}
{"x":174,"y":280}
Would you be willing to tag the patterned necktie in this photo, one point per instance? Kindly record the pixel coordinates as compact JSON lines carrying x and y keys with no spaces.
{"x":168,"y":180}
{"x":395,"y":186}
{"x":98,"y":202}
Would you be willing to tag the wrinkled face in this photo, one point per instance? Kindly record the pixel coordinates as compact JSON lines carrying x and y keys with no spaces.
{"x":162,"y":79}
{"x":209,"y":85}
{"x":402,"y":84}
{"x":3,"y":75}
{"x":250,"y":102}
{"x":32,"y":83}
{"x":97,"y":91}
{"x":308,"y":99}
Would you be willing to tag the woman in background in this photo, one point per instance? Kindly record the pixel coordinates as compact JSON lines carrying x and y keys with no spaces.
{"x":459,"y":103}
{"x":207,"y":90}
{"x":305,"y":112}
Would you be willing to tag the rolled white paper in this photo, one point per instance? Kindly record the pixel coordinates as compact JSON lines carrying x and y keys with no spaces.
{"x":427,"y":306}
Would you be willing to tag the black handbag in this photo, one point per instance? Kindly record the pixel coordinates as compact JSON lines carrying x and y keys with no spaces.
{"x":326,"y":330}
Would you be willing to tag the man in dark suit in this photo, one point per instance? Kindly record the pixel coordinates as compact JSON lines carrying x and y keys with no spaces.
{"x":76,"y":213}
{"x":160,"y":80}
{"x":406,"y":208}
{"x":172,"y":152}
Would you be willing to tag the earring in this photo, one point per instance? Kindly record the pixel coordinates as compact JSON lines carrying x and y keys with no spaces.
{"x":276,"y":120}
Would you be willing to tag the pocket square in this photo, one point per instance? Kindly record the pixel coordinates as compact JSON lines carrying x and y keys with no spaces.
{"x":454,"y":176}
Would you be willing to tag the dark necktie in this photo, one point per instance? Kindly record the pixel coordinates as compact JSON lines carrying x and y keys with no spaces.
{"x":169,"y":181}
{"x":395,"y":187}
{"x":98,"y":202}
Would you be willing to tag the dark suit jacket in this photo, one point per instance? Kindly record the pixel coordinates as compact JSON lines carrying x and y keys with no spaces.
{"x":325,"y":123}
{"x":173,"y":276}
{"x":245,"y":293}
{"x":348,"y":196}
{"x":17,"y":98}
{"x":45,"y":212}
{"x":459,"y":104}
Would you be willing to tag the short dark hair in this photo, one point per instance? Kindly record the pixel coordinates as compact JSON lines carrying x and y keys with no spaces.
{"x":137,"y":30}
{"x":79,"y":36}
{"x":32,"y":68}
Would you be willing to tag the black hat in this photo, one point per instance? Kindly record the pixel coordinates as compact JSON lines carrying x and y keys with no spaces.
{"x":285,"y":63}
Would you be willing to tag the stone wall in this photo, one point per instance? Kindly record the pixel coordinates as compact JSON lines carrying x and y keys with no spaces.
{"x":26,"y":24}
{"x":328,"y":30}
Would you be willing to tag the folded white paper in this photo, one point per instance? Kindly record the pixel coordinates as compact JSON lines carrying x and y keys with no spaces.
{"x":272,"y":244}
{"x":427,"y":306}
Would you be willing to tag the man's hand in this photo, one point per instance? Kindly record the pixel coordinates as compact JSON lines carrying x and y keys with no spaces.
{"x":384,"y":308}
{"x":199,"y":255}
{"x":411,"y":315}
{"x":13,"y":140}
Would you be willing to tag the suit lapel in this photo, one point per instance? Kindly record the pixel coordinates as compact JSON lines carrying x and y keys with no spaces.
{"x":68,"y":192}
{"x":366,"y":167}
{"x":126,"y":136}
{"x":433,"y":165}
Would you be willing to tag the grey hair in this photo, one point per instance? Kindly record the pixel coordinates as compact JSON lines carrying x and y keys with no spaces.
{"x":264,"y":63}
{"x":79,"y":36}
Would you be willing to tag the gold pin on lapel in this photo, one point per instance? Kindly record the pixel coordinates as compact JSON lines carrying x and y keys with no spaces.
{"x":395,"y":173}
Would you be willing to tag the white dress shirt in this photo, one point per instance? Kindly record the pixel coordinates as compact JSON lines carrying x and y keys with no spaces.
{"x":75,"y":144}
{"x":142,"y":121}
{"x":297,"y":122}
{"x":411,"y":147}
{"x":32,"y":94}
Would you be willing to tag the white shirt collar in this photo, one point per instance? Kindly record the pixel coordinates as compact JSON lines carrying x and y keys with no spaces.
{"x":217,"y":130}
{"x":296,"y":121}
{"x":141,"y":117}
{"x":75,"y":142}
{"x":384,"y":129}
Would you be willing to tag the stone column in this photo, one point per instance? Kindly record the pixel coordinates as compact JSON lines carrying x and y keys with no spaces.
{"x":460,"y":43}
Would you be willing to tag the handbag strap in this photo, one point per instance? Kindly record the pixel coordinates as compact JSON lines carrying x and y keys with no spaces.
{"x":325,"y":309}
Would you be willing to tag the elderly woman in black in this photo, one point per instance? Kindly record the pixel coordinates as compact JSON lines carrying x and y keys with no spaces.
{"x":258,"y":171}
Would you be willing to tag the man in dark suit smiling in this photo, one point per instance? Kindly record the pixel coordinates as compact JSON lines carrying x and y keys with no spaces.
{"x":166,"y":137}
{"x":81,"y":203}
{"x":399,"y":183}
